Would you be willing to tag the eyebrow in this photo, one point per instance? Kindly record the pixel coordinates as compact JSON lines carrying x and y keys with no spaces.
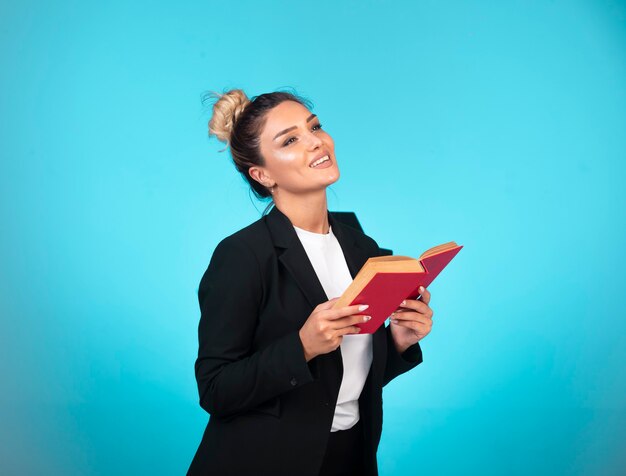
{"x":293,"y":127}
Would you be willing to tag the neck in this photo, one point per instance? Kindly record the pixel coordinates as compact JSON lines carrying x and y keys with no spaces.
{"x":306,"y":211}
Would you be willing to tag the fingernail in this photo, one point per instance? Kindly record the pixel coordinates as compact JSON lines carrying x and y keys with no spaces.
{"x":395,"y":321}
{"x":403,"y":303}
{"x":421,"y":289}
{"x":367,"y":318}
{"x":363,"y":307}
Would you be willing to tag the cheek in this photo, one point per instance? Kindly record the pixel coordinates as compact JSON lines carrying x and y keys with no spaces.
{"x":286,"y":164}
{"x":286,"y":158}
{"x":329,"y":140}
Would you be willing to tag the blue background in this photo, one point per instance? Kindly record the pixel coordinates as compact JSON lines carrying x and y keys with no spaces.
{"x":499,"y":125}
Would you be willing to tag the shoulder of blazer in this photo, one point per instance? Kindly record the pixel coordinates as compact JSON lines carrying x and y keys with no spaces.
{"x":254,"y":236}
{"x":237,"y":249}
{"x":360,"y":238}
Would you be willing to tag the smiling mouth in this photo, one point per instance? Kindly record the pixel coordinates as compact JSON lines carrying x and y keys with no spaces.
{"x":320,"y":161}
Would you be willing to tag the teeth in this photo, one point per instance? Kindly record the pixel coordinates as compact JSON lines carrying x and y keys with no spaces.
{"x":319,"y":161}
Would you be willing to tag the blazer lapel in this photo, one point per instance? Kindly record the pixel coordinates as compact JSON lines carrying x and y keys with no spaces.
{"x":297,"y":262}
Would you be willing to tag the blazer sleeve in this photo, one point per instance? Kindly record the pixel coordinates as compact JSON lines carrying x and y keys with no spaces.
{"x":398,"y":363}
{"x":231,"y":378}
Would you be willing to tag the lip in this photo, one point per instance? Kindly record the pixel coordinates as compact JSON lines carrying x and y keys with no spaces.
{"x":321,"y":154}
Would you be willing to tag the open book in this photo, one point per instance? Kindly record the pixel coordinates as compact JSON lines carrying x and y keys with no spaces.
{"x":385,"y":281}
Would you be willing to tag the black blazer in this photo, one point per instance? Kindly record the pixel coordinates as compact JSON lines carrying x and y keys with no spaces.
{"x":271,"y":410}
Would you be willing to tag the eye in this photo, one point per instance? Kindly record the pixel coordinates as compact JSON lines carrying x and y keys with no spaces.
{"x":316,"y":127}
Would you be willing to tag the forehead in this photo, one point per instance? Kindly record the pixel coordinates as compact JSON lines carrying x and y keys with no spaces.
{"x":286,"y":114}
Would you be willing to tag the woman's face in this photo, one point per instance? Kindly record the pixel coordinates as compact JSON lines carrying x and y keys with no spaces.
{"x":291,"y":141}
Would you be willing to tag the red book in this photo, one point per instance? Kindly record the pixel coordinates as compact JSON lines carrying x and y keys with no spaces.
{"x":385,"y":281}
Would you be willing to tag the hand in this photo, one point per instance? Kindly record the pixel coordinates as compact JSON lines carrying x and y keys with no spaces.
{"x":412,"y":321}
{"x":324,"y":329}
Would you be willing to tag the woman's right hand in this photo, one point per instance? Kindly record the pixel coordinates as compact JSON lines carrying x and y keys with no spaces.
{"x":324,"y":329}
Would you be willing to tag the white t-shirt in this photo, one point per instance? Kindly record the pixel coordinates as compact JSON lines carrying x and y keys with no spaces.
{"x":331,"y":268}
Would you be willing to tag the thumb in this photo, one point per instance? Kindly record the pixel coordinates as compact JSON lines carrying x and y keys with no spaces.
{"x":328,"y":304}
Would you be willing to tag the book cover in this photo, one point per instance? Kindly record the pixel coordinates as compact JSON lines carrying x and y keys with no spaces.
{"x":385,"y":281}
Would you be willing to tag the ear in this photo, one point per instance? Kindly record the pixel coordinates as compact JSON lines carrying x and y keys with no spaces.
{"x":260,"y":175}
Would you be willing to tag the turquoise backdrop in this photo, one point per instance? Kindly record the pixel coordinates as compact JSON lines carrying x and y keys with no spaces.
{"x":500,"y":125}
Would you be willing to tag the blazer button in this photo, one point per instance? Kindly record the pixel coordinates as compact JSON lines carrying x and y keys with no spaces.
{"x":294,"y":382}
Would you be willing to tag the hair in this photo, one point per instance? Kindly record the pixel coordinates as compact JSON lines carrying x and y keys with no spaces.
{"x":238,"y":122}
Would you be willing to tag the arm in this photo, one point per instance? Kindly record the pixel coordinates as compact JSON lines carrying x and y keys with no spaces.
{"x":399,"y":363}
{"x":231,"y":378}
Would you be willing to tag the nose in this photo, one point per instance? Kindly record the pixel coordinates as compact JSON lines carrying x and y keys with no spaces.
{"x":314,"y":140}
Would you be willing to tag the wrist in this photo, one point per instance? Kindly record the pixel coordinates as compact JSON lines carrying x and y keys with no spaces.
{"x":400,"y":347}
{"x":307,"y":355}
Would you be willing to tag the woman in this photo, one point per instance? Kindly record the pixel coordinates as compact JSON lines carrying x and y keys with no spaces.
{"x":291,"y":387}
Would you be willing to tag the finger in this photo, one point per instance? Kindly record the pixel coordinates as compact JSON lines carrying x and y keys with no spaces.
{"x":327,"y":304}
{"x":333,"y":314}
{"x":414,"y":305}
{"x":349,"y":330}
{"x":420,"y":326}
{"x":415,"y":326}
{"x":428,"y":313}
{"x":425,"y":294}
{"x":350,"y":320}
{"x":411,"y":317}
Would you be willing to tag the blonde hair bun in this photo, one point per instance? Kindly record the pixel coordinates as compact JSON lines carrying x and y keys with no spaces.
{"x":226,"y":111}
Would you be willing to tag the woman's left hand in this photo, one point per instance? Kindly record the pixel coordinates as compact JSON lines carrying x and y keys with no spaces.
{"x":412,"y":321}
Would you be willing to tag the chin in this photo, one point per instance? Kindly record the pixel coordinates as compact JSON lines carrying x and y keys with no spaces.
{"x":333,"y":175}
{"x":330,"y":182}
